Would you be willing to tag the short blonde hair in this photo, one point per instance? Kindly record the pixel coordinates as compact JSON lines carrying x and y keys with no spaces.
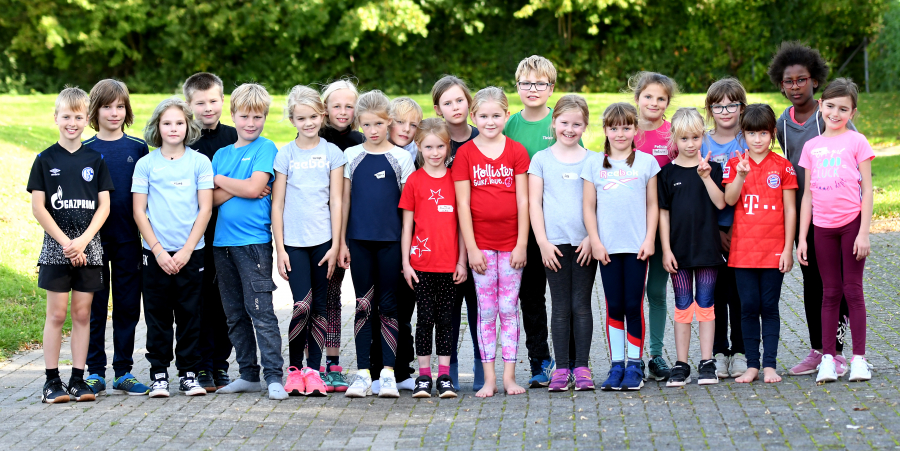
{"x":73,"y":98}
{"x":343,"y":83}
{"x":151,"y":131}
{"x":404,"y":107}
{"x":432,"y":126}
{"x":685,"y":121}
{"x":251,"y":97}
{"x":542,"y":67}
{"x":489,"y":94}
{"x":303,"y":95}
{"x":374,"y":102}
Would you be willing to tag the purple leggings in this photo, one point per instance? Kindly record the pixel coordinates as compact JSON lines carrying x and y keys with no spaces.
{"x":842,"y":276}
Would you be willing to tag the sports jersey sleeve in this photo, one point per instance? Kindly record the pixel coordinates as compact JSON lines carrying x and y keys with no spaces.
{"x":351,"y":154}
{"x":203,"y":171}
{"x":788,"y":176}
{"x":282,"y":160}
{"x":460,"y":170}
{"x":406,"y":164}
{"x":730,"y":171}
{"x":336,"y":157}
{"x":36,"y":178}
{"x":536,"y":167}
{"x":716,"y":174}
{"x":104,"y":180}
{"x":264,"y":160}
{"x":140,"y":180}
{"x":662,"y":189}
{"x":408,"y":196}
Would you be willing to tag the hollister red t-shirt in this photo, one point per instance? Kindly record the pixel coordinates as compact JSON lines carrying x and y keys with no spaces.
{"x":435,"y":242}
{"x":757,"y":239}
{"x":493,"y":183}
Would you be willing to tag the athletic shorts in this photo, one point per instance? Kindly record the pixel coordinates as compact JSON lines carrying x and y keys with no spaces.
{"x":65,"y":278}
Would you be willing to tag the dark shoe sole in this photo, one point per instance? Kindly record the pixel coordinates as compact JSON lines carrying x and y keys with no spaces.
{"x":316,"y":394}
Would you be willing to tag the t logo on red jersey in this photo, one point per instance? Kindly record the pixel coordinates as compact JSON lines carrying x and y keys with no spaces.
{"x":751,"y":201}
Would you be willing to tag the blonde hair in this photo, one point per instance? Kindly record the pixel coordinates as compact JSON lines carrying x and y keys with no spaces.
{"x":542,"y":67}
{"x":404,"y":107}
{"x":638,"y":82}
{"x":73,"y":98}
{"x":151,"y":131}
{"x":251,"y":97}
{"x":106,"y":92}
{"x":303,"y":95}
{"x":567,"y":103}
{"x":618,"y":114}
{"x":685,"y":121}
{"x":489,"y":94}
{"x":374,"y":102}
{"x":331,"y":88}
{"x":444,"y":84}
{"x":432,"y":126}
{"x":727,"y":87}
{"x":201,"y":81}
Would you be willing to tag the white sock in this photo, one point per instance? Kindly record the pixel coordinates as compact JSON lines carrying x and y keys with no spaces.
{"x":276,"y":391}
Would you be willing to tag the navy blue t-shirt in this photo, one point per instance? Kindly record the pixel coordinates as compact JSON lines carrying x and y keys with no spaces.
{"x":120,"y":156}
{"x":376,"y":181}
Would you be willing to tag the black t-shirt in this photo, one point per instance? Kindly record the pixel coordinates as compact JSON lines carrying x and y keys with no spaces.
{"x":345,"y":139}
{"x":455,"y":145}
{"x":71,"y":182}
{"x":693,"y":217}
{"x":211,"y":140}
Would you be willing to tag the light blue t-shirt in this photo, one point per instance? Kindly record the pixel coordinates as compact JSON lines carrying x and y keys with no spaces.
{"x":562,"y":197}
{"x":621,"y":200}
{"x":171,"y":187}
{"x":307,"y":211}
{"x":721,"y":153}
{"x":245,"y":221}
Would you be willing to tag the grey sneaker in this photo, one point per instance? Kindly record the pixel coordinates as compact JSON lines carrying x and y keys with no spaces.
{"x":738,"y":365}
{"x":722,"y":364}
{"x":360,"y":388}
{"x":388,"y":385}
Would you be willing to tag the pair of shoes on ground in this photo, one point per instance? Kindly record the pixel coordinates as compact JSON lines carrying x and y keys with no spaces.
{"x":563,"y":379}
{"x":810,"y":364}
{"x":126,"y":384}
{"x":187,"y":384}
{"x":828,"y":370}
{"x":56,"y":392}
{"x":305,"y":382}
{"x":734,"y":365}
{"x":624,"y":377}
{"x":213,"y":380}
{"x":362,"y":385}
{"x":681,"y":374}
{"x":424,"y":385}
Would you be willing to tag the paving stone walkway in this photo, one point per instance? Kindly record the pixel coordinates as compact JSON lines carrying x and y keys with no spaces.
{"x":795,"y":414}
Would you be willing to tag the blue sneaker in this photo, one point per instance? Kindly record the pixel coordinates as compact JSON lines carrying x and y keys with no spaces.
{"x":634,"y":377}
{"x":540,"y":373}
{"x":96,"y":383}
{"x":129,"y":385}
{"x":614,"y":380}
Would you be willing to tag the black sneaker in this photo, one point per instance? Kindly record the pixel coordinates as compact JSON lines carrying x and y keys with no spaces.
{"x":80,"y":391}
{"x":189,"y":385}
{"x":707,"y":370}
{"x":681,"y":375}
{"x":205,"y":379}
{"x":659,"y":369}
{"x":445,"y":387}
{"x":221,"y":378}
{"x":160,"y":386}
{"x":54,"y":392}
{"x":423,"y":387}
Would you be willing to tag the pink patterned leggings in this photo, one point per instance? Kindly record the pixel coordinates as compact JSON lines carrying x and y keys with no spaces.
{"x":498,"y":292}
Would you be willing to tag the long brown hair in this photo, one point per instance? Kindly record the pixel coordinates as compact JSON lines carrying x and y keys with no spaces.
{"x":618,"y":114}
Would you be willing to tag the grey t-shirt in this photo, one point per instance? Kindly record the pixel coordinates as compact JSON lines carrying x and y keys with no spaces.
{"x":621,"y":200}
{"x":307,"y":214}
{"x":562,"y":199}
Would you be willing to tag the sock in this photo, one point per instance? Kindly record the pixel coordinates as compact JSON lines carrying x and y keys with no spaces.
{"x":618,"y":362}
{"x":52,"y":373}
{"x":332,"y":360}
{"x":276,"y":391}
{"x":77,"y":373}
{"x":425,"y":371}
{"x":634,"y":362}
{"x":365,"y":373}
{"x":443,"y":370}
{"x":240,"y":386}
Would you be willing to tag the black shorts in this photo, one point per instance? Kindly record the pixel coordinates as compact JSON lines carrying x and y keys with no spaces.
{"x":65,"y":278}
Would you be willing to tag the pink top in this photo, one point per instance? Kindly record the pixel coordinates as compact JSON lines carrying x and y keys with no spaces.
{"x":834,"y":177}
{"x":655,"y":143}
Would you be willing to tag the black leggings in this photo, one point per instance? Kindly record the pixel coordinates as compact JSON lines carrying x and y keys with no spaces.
{"x":623,"y":284}
{"x":309,"y":288}
{"x":570,"y":296}
{"x":760,"y":290}
{"x":813,"y":293}
{"x":727,"y":309}
{"x":375,"y":272}
{"x":435,"y":294}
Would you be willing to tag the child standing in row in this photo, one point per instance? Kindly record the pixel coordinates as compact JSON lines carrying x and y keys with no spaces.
{"x":690,"y":241}
{"x":433,"y":254}
{"x":373,"y":181}
{"x":555,"y":195}
{"x":78,"y":181}
{"x":306,"y":216}
{"x":761,"y":185}
{"x":172,"y":204}
{"x":838,"y":200}
{"x":621,"y":215}
{"x":653,"y":93}
{"x":492,"y":200}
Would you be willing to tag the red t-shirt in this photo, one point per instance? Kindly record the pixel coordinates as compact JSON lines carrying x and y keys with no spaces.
{"x":757,"y":238}
{"x":435,"y":242}
{"x":493,"y":202}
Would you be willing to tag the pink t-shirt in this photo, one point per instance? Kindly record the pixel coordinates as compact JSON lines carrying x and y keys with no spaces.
{"x":655,"y":143}
{"x":834,"y":177}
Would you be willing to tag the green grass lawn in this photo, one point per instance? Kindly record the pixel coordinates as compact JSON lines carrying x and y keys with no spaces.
{"x":26,"y":128}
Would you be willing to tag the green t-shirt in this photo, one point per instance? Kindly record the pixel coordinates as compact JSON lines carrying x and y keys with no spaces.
{"x":535,"y":136}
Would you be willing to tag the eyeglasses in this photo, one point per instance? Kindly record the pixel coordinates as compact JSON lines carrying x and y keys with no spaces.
{"x":540,"y":86}
{"x":800,"y":82}
{"x":731,"y":108}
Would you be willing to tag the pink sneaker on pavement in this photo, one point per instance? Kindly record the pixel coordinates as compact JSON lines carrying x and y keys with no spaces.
{"x":809,"y":365}
{"x":315,"y":386}
{"x":840,"y":365}
{"x":295,"y":385}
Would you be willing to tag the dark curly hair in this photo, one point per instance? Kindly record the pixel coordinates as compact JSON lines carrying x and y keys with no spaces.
{"x":793,"y":52}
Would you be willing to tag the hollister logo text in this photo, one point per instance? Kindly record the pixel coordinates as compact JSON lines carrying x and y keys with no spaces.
{"x":489,"y":175}
{"x":59,"y":203}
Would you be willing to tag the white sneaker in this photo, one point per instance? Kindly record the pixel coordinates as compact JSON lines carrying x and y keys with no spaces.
{"x":827,"y":371}
{"x":388,"y":385}
{"x":738,"y":365}
{"x":361,"y":387}
{"x":376,"y":386}
{"x":722,"y":364}
{"x":160,"y":389}
{"x":859,"y":369}
{"x":409,"y":384}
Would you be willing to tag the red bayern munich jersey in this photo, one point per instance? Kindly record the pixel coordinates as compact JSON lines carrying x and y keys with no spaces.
{"x":757,"y":237}
{"x":435,"y":241}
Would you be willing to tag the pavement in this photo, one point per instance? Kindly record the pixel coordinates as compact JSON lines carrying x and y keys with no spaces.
{"x":794,"y":414}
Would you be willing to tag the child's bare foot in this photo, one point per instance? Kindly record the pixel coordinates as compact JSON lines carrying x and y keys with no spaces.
{"x":490,"y":387}
{"x":749,"y":376}
{"x":770,"y":376}
{"x":512,"y":388}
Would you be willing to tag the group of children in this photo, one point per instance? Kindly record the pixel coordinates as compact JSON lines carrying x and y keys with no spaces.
{"x":432,"y":212}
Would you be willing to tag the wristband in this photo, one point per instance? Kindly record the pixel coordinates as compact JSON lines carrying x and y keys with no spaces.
{"x":160,"y":253}
{"x":151,"y":247}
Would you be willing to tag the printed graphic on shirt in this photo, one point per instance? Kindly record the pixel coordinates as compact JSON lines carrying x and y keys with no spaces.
{"x":826,"y":170}
{"x":489,"y":175}
{"x":419,"y":246}
{"x":436,"y":196}
{"x":618,"y":178}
